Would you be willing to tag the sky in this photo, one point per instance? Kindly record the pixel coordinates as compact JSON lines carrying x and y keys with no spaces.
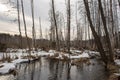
{"x":8,"y":15}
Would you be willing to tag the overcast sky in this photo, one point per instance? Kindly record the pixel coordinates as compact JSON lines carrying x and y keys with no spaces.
{"x":41,"y":10}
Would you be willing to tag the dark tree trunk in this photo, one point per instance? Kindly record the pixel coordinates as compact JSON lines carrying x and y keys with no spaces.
{"x":68,"y":25}
{"x":119,"y":2}
{"x":97,"y":38}
{"x":111,"y":60}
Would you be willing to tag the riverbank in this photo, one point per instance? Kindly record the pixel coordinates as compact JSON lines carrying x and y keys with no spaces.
{"x":20,"y":56}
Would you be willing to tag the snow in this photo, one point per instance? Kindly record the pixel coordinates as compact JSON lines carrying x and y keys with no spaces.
{"x":43,"y":53}
{"x":60,"y":56}
{"x":117,"y":61}
{"x":76,"y":51}
{"x":6,"y":67}
{"x":20,"y":61}
{"x":51,"y":51}
{"x":19,"y":53}
{"x":11,"y":66}
{"x":117,"y":74}
{"x":7,"y":77}
{"x":77,"y":54}
{"x":83,"y":55}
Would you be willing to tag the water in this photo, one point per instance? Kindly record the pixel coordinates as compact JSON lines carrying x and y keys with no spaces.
{"x":45,"y":69}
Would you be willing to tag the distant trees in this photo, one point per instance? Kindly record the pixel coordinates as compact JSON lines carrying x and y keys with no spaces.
{"x":3,"y":47}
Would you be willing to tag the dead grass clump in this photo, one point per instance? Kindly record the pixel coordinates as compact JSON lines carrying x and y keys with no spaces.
{"x":8,"y":59}
{"x":53,"y":56}
{"x":13,"y":71}
{"x":16,"y":57}
{"x":112,"y":68}
{"x":65,"y":58}
{"x":1,"y":66}
{"x":29,"y":57}
{"x":114,"y":77}
{"x":81,"y":60}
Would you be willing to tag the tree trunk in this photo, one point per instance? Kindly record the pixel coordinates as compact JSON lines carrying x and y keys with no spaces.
{"x":97,"y":38}
{"x":33,"y":26}
{"x":40,"y":28}
{"x":28,"y":43}
{"x":111,"y":60}
{"x":19,"y":26}
{"x":119,"y":2}
{"x":55,"y":23}
{"x":68,"y":25}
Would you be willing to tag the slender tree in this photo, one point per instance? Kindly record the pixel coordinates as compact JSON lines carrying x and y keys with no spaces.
{"x":68,"y":25}
{"x":19,"y":26}
{"x":55,"y":24}
{"x":33,"y":26}
{"x":24,"y":21}
{"x":41,"y":36}
{"x":119,"y":2}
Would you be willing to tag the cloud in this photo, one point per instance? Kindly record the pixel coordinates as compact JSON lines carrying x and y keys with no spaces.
{"x":41,"y":8}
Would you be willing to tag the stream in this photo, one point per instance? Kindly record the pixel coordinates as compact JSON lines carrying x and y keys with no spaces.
{"x":46,"y":69}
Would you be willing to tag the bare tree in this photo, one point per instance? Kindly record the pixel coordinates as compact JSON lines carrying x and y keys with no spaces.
{"x":28,"y":43}
{"x":19,"y":26}
{"x":119,"y":2}
{"x":33,"y":26}
{"x":97,"y":38}
{"x":106,"y":33}
{"x":55,"y":23}
{"x":41,"y":36}
{"x":68,"y":25}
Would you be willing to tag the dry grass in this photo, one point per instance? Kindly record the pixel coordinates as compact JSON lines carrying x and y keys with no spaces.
{"x":1,"y":66}
{"x":29,"y":57}
{"x":7,"y":58}
{"x":65,"y":58}
{"x":114,"y":77}
{"x":16,"y":57}
{"x":112,"y":68}
{"x":54,"y":56}
{"x":80,"y":61}
{"x":13,"y":71}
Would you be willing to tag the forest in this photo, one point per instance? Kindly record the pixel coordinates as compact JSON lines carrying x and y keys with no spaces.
{"x":60,"y":40}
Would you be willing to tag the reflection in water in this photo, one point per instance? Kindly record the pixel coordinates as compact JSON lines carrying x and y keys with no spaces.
{"x":45,"y":69}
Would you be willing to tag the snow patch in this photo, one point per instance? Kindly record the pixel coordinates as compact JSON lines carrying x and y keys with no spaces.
{"x":6,"y":68}
{"x":117,"y":61}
